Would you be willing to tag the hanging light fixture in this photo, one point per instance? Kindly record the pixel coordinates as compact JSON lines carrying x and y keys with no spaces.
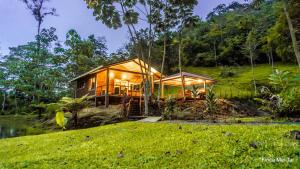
{"x":124,"y":76}
{"x":111,"y":74}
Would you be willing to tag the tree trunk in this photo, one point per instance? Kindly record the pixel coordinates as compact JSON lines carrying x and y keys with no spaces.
{"x":215,"y":52}
{"x":4,"y":100}
{"x":135,"y":38}
{"x":180,"y":70}
{"x":272,"y":59}
{"x":252,"y":68}
{"x":75,"y":118}
{"x":292,"y":33}
{"x":16,"y":103}
{"x":162,"y":68}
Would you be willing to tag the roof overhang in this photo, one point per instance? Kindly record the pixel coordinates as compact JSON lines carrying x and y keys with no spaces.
{"x":189,"y":79}
{"x":132,"y":65}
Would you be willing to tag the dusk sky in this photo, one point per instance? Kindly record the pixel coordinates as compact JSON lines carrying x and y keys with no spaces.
{"x":17,"y":25}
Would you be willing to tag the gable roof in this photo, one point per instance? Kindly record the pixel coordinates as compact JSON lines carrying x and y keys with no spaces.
{"x":190,"y":78}
{"x":131,"y":64}
{"x":190,"y":75}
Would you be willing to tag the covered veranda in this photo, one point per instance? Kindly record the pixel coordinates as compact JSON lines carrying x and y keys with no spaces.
{"x":194,"y":85}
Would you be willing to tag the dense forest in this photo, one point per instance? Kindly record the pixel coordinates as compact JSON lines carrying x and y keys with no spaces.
{"x":231,"y":35}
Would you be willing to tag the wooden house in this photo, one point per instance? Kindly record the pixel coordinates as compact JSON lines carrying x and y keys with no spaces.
{"x":109,"y":84}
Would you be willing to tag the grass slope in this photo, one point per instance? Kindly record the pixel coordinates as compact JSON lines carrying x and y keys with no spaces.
{"x":156,"y":145}
{"x":241,"y":83}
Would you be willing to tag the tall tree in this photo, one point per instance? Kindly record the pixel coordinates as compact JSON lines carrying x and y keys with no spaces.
{"x":83,"y":55}
{"x":48,"y":82}
{"x":285,"y":6}
{"x":168,"y":15}
{"x":116,"y":13}
{"x":251,"y":47}
{"x":39,"y":12}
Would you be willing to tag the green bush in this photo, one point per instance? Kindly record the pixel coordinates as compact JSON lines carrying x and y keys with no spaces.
{"x":284,"y":99}
{"x":51,"y":109}
{"x":290,"y":100}
{"x":170,"y":107}
{"x":227,"y":72}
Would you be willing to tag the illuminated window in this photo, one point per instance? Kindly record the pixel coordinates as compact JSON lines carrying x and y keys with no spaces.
{"x":93,"y":83}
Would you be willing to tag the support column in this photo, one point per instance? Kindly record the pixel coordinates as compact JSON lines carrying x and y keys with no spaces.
{"x":107,"y":88}
{"x":96,"y":90}
{"x":183,"y":84}
{"x":152,"y":85}
{"x":204,"y":85}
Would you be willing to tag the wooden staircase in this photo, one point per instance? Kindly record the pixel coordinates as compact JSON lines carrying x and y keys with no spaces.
{"x":136,"y":107}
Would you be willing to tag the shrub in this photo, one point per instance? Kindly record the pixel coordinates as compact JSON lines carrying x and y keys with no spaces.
{"x":291,"y":100}
{"x":210,"y":101}
{"x":51,"y":109}
{"x":285,"y":97}
{"x":170,"y":107}
{"x":227,"y":72}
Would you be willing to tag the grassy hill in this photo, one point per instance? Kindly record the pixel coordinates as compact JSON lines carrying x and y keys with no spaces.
{"x":156,"y":145}
{"x":241,"y":81}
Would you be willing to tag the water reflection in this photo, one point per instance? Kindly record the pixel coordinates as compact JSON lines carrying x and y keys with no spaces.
{"x":11,"y":131}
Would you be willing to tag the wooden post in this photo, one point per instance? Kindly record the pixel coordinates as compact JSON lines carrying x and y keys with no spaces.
{"x":107,"y":88}
{"x":152,"y":85}
{"x":204,"y":84}
{"x":96,"y":90}
{"x":183,"y":92}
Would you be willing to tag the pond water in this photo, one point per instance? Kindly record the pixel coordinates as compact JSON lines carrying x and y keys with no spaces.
{"x":14,"y":126}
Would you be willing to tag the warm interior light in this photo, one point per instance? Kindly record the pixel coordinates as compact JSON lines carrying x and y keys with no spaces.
{"x":124,"y":76}
{"x":188,"y":83}
{"x":111,"y":74}
{"x":200,"y":81}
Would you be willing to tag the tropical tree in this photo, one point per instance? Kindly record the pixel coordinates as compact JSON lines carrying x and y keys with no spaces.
{"x":39,"y":12}
{"x":251,"y":47}
{"x":116,"y":13}
{"x":73,"y":105}
{"x":20,"y":65}
{"x":287,"y":6}
{"x":83,"y":55}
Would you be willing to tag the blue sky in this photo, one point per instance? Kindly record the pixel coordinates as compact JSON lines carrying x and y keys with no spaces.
{"x":17,"y":26}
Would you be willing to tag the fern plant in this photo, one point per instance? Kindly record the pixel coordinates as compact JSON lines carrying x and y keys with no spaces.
{"x":73,"y":105}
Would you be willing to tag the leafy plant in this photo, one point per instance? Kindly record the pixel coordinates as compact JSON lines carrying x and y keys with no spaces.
{"x":170,"y":108}
{"x":286,"y":97}
{"x":227,"y":72}
{"x":279,"y":79}
{"x":61,"y":120}
{"x":194,"y":91}
{"x":73,"y":105}
{"x":291,"y":100}
{"x":210,"y":100}
{"x":39,"y":108}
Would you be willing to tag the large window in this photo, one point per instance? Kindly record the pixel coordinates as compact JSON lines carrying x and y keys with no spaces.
{"x":122,"y":87}
{"x":93,"y":83}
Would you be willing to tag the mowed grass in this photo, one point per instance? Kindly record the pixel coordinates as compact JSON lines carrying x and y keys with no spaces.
{"x":241,"y":84}
{"x":156,"y":145}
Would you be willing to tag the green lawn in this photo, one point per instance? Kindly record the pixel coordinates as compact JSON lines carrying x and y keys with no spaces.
{"x":156,"y":145}
{"x":241,"y":84}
